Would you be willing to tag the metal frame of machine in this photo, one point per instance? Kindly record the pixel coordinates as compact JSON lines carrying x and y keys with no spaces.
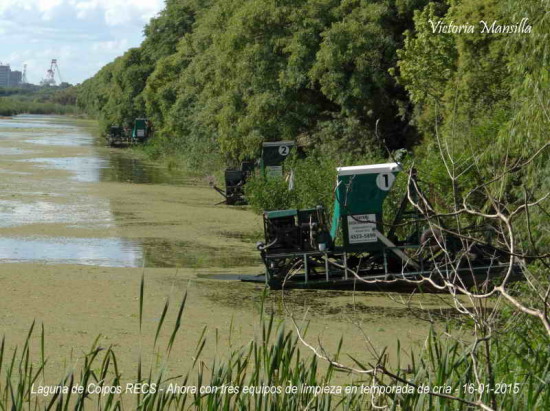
{"x":234,"y":180}
{"x":301,"y":250}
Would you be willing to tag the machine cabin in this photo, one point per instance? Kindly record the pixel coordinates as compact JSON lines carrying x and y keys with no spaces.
{"x":273,"y":156}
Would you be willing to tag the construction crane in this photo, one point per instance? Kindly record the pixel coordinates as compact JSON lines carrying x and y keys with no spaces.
{"x":49,"y":80}
{"x":24,"y":76}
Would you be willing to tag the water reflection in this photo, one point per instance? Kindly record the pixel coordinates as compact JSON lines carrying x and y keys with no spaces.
{"x":106,"y":252}
{"x":36,"y":121}
{"x":65,"y":201}
{"x":83,"y":169}
{"x":14,"y":213}
{"x":67,"y":139}
{"x":111,"y":167}
{"x":128,"y":169}
{"x":12,"y":151}
{"x":116,"y":252}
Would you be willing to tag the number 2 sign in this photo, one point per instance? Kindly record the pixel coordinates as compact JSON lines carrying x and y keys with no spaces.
{"x":284,"y":150}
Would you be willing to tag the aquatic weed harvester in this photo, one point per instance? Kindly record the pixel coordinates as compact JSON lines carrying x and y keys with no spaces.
{"x":141,"y":131}
{"x":359,"y":249}
{"x":270,"y":163}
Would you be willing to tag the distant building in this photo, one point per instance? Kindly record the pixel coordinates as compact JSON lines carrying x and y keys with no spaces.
{"x":4,"y":76}
{"x":9,"y":78}
{"x":15,"y":78}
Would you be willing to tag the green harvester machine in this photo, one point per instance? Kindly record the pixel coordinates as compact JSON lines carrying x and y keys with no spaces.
{"x":141,"y":130}
{"x":140,"y":133}
{"x":359,"y":249}
{"x":270,"y":163}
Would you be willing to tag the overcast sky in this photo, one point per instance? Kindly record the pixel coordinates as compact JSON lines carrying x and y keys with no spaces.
{"x":83,"y":35}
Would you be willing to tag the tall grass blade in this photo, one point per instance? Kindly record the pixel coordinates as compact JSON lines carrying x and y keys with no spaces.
{"x":141,"y":300}
{"x":161,"y":321}
{"x":178,"y":323}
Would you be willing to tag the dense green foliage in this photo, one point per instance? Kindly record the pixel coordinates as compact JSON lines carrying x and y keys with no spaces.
{"x":225,"y":76}
{"x":483,"y":99}
{"x":346,"y":79}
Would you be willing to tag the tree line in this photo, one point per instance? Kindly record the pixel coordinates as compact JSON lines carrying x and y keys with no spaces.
{"x":351,"y":80}
{"x":38,"y":99}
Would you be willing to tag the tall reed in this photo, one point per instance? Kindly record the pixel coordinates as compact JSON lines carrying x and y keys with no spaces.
{"x":276,"y":359}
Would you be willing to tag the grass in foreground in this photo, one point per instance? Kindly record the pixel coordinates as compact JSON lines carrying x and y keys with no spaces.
{"x":276,"y":358}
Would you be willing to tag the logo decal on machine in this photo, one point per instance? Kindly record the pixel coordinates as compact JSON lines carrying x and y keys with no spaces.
{"x":362,"y":228}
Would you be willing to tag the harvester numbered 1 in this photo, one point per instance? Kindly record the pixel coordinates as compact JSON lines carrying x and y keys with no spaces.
{"x":359,"y":249}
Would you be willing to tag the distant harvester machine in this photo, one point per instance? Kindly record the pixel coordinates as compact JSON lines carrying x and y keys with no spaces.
{"x":301,"y":250}
{"x":141,"y":132}
{"x":271,"y":166}
{"x":235,"y":179}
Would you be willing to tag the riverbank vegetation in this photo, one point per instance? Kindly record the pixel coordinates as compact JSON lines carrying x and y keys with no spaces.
{"x":350,"y":81}
{"x":38,"y":100}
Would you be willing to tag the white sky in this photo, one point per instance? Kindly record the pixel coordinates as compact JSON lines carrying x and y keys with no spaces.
{"x":83,"y":35}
